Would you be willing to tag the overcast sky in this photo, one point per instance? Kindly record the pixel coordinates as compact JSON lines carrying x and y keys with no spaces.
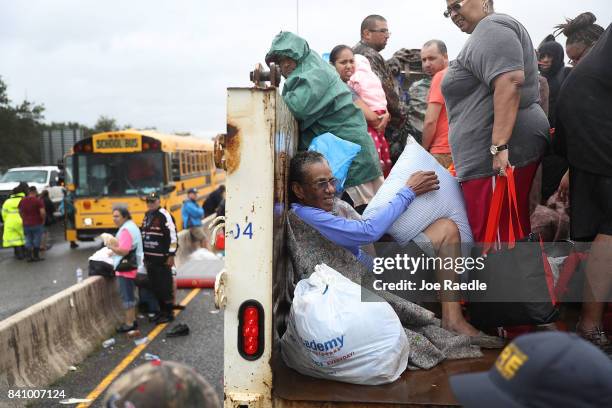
{"x":168,"y":63}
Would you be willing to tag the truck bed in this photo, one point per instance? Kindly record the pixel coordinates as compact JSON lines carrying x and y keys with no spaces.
{"x":414,"y":388}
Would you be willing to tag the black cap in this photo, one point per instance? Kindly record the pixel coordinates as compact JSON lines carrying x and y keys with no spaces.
{"x":192,"y":190}
{"x":550,"y":369}
{"x":151,"y":197}
{"x":161,"y":384}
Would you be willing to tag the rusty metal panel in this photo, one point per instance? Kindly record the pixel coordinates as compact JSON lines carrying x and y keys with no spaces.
{"x":261,"y":137}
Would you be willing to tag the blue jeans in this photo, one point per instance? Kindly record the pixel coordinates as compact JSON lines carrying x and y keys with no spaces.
{"x":148,"y":299}
{"x":33,"y":235}
{"x":126,"y":290}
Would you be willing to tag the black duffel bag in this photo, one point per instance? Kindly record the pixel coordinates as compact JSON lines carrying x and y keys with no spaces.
{"x":100,"y":268}
{"x":520,"y":284}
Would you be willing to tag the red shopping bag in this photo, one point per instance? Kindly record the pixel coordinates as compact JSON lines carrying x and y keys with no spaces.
{"x":519,"y":279}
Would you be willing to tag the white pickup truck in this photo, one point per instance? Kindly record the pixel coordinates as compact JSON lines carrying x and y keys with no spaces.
{"x":41,"y":177}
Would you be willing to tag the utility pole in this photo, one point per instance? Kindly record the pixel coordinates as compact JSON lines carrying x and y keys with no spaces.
{"x":297,"y":17}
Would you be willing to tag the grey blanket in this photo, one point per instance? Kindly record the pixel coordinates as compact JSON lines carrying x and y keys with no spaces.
{"x":429,"y":343}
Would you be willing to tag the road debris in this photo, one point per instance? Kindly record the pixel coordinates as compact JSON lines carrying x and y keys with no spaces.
{"x":109,"y":342}
{"x":132,"y":334}
{"x":151,"y":357}
{"x":139,"y":342}
{"x":71,"y":401}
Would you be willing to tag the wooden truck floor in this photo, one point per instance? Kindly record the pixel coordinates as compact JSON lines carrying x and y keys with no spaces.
{"x":414,"y":388}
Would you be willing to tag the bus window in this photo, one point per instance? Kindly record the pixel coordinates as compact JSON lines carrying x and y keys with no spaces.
{"x":184,"y":170}
{"x":207,"y":158}
{"x":192,"y":160}
{"x":68,"y":179}
{"x":119,"y":174}
{"x":176,"y":167}
{"x":198,"y":162}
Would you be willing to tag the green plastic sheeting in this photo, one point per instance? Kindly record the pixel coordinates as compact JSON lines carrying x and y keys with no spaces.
{"x":322,"y":103}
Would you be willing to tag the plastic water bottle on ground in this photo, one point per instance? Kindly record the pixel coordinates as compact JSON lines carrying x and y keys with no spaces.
{"x":79,"y":275}
{"x":108,"y":343}
{"x":151,"y":357}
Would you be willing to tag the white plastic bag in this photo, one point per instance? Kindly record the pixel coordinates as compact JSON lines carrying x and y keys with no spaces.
{"x":331,"y":334}
{"x":103,"y":255}
{"x":447,"y":202}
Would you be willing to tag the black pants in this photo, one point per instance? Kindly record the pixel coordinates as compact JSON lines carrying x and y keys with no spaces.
{"x":160,"y":279}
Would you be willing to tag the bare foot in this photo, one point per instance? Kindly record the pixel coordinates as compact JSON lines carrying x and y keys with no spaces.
{"x":460,"y":326}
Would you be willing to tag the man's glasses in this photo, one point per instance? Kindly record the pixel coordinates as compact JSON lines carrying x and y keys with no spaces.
{"x":381,"y":30}
{"x":453,"y":7}
{"x":322,"y":185}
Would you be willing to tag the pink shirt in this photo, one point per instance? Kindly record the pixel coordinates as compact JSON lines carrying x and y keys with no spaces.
{"x":125,"y":244}
{"x":367,"y":85}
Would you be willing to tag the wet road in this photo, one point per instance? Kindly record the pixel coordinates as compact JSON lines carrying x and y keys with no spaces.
{"x":202,"y":349}
{"x":25,"y":284}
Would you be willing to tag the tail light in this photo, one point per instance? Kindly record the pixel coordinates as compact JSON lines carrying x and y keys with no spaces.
{"x":251,"y":330}
{"x":87,"y":205}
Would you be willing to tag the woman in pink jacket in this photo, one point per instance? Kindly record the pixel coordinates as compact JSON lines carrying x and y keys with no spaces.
{"x":366,"y":89}
{"x":369,"y":88}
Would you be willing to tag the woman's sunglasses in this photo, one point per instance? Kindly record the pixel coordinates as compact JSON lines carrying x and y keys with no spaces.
{"x":453,"y":7}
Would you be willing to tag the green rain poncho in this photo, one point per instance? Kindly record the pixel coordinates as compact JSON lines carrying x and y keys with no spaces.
{"x":322,"y":103}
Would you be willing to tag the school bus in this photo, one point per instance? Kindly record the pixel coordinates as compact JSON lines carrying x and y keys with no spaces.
{"x":122,"y":167}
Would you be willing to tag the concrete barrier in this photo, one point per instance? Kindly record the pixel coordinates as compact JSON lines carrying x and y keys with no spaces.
{"x":38,"y":344}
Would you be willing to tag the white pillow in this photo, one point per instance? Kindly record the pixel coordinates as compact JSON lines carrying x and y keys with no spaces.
{"x":447,"y":202}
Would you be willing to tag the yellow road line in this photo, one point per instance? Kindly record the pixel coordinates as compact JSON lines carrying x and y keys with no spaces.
{"x":103,"y":385}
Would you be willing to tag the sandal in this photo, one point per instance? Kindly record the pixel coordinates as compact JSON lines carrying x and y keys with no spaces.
{"x":485,"y":341}
{"x":596,"y":336}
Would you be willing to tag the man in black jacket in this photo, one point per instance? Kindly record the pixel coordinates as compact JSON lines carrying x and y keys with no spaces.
{"x":160,"y":243}
{"x":213,"y":200}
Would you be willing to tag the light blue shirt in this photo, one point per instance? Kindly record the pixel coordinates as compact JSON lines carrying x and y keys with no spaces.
{"x":192,"y":214}
{"x":136,"y":243}
{"x":351,"y":234}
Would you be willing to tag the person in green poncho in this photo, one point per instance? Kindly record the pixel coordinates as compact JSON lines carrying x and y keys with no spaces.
{"x":322,"y":103}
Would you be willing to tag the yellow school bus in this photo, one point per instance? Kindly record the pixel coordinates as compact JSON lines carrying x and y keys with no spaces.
{"x":122,"y":167}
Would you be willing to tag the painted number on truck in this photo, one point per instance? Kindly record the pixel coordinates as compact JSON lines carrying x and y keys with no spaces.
{"x":248,"y":231}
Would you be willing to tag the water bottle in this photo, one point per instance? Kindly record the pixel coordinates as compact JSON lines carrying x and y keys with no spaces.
{"x":108,"y":343}
{"x":79,"y":275}
{"x":151,"y":357}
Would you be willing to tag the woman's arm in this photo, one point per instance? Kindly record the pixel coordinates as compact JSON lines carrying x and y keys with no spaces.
{"x":351,"y":233}
{"x":362,"y":232}
{"x":123,"y":245}
{"x":506,"y":98}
